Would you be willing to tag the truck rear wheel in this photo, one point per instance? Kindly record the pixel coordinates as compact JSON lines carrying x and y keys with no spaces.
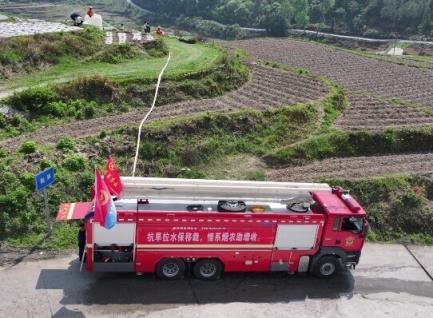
{"x":170,"y":269}
{"x":208,"y":269}
{"x":326,"y":267}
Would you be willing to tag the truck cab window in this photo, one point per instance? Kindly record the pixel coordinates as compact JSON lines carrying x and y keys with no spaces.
{"x":352,"y":224}
{"x":336,"y":224}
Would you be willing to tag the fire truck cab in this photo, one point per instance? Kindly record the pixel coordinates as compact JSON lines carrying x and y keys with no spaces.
{"x":207,"y":227}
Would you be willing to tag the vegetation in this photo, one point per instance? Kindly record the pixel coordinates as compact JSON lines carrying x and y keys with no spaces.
{"x":347,"y":144}
{"x":186,"y":147}
{"x":399,"y":207}
{"x":87,"y":98}
{"x":167,"y":148}
{"x":361,"y":17}
{"x":27,"y":53}
{"x":186,"y":59}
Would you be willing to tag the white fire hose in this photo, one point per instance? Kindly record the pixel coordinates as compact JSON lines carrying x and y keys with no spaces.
{"x":148,"y":114}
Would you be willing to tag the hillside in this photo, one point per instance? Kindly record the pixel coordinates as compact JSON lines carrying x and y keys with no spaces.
{"x":370,"y":18}
{"x":247,"y":111}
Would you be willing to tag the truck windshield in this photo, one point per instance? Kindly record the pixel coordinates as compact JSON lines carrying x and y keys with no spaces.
{"x":352,"y":224}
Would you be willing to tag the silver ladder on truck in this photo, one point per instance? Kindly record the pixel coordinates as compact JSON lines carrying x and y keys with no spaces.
{"x":198,"y":189}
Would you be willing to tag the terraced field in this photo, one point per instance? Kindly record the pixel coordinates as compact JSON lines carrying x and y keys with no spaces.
{"x":349,"y":70}
{"x":268,"y":88}
{"x":382,"y":95}
{"x":357,"y":167}
{"x":367,"y":113}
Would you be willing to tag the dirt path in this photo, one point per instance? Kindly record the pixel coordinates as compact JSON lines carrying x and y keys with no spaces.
{"x":268,"y":88}
{"x":356,"y":167}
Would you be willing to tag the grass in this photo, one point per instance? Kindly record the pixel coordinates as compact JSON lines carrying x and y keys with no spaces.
{"x":203,"y":146}
{"x":185,"y":58}
{"x":347,"y":144}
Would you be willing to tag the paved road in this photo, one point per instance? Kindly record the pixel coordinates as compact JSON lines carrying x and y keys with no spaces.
{"x":357,"y":38}
{"x":387,"y":283}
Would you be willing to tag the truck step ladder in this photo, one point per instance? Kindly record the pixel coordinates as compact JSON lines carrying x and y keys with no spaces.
{"x":198,"y":189}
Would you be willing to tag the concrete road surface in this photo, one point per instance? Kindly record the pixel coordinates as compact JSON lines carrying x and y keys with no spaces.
{"x":389,"y":282}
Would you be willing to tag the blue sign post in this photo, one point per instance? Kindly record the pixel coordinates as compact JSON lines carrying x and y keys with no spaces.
{"x":42,"y":180}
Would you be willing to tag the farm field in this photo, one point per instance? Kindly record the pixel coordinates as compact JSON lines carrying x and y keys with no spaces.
{"x":348,"y":70}
{"x":357,"y":168}
{"x":368,"y":113}
{"x":268,"y":88}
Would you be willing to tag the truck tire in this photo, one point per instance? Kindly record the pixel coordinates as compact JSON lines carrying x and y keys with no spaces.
{"x":170,"y":269}
{"x":208,"y":269}
{"x":326,"y":267}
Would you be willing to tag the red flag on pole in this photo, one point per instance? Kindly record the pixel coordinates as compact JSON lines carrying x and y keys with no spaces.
{"x":102,"y":199}
{"x":112,"y":178}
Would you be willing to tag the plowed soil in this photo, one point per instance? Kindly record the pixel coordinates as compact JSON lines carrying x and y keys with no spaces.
{"x":366,"y":113}
{"x":268,"y":88}
{"x":348,"y":70}
{"x":356,"y":167}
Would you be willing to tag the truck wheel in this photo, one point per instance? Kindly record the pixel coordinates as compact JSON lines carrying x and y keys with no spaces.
{"x":326,"y":267}
{"x":170,"y":269}
{"x":208,"y":269}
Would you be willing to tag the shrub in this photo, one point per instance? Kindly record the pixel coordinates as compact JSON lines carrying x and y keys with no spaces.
{"x":118,"y":53}
{"x":65,"y":143}
{"x":89,"y":111}
{"x":74,"y":163}
{"x":188,"y":40}
{"x":157,"y":48}
{"x":33,"y":101}
{"x":3,"y":122}
{"x":3,"y":153}
{"x":28,"y":147}
{"x":96,"y":88}
{"x":46,"y":163}
{"x":56,"y":109}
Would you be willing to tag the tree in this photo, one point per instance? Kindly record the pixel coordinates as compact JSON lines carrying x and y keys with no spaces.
{"x":301,"y":13}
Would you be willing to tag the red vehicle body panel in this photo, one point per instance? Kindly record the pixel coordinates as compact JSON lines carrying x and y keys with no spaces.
{"x":241,"y":241}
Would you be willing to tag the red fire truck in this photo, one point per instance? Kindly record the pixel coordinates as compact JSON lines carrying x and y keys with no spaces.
{"x":170,"y":226}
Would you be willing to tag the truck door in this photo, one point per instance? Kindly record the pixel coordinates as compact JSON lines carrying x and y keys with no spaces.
{"x":350,"y":236}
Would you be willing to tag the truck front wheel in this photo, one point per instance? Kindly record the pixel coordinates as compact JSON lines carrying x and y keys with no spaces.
{"x":207,"y":269}
{"x":326,"y":267}
{"x":170,"y":269}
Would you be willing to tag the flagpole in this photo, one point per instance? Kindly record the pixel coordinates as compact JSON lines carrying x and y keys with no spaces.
{"x":148,"y":113}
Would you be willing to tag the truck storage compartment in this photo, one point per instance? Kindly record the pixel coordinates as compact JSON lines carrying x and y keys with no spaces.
{"x":114,"y":248}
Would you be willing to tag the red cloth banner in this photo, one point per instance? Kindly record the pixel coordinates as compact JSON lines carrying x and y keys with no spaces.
{"x":112,"y":178}
{"x":102,"y":199}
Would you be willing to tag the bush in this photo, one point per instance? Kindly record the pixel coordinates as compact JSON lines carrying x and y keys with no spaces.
{"x":34,"y":101}
{"x":65,"y":143}
{"x":89,"y":111}
{"x":211,"y":28}
{"x":3,"y":122}
{"x":45,"y":163}
{"x":96,"y":88}
{"x":156,"y":48}
{"x":117,"y":53}
{"x":188,"y":40}
{"x":56,"y":109}
{"x":74,"y":163}
{"x":28,"y":147}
